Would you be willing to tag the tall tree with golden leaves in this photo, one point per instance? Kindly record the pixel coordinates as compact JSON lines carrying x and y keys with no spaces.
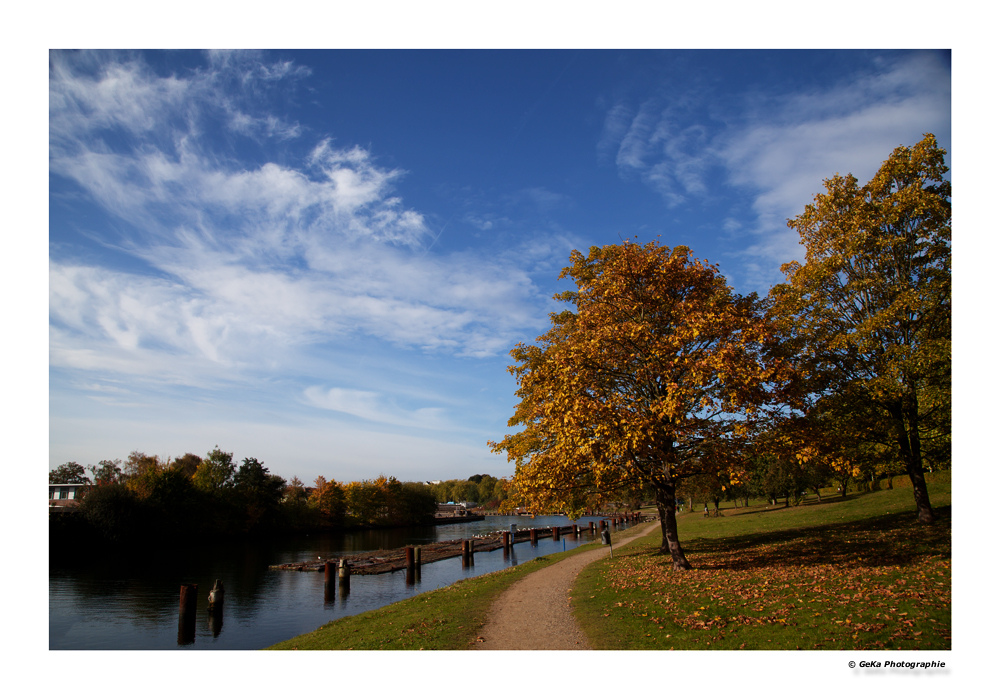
{"x":870,"y":308}
{"x":651,"y":378}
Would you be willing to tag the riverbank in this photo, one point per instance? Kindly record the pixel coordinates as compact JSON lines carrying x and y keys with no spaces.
{"x":448,"y":618}
{"x":750,"y":558}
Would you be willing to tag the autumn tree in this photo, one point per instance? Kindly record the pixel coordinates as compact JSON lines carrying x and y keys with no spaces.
{"x":141,"y":472}
{"x":329,"y":497}
{"x":69,"y":472}
{"x":107,"y":471}
{"x":650,"y":379}
{"x":187,"y":464}
{"x":870,"y":308}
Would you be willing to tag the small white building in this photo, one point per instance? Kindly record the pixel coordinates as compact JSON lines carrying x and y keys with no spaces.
{"x":66,"y":494}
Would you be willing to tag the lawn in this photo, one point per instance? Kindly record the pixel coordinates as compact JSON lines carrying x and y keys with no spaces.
{"x":847,"y":573}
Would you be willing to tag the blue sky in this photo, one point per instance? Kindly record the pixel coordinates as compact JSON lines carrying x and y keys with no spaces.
{"x":321,"y":258}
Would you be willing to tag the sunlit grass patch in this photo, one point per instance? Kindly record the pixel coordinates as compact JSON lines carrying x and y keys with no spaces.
{"x":870,"y":581}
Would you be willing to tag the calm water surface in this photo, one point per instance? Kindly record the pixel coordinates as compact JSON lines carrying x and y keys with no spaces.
{"x":133,"y":605}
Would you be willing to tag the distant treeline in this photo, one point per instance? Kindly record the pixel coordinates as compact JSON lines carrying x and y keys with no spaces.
{"x":191,"y":497}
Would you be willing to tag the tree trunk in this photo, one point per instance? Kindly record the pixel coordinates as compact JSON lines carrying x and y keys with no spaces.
{"x":904,"y":419}
{"x":665,"y":502}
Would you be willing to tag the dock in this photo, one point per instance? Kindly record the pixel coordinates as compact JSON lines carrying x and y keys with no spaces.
{"x":389,"y":560}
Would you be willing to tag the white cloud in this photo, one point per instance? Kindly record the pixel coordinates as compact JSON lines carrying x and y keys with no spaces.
{"x":781,"y":147}
{"x":374,"y":407}
{"x":244,"y":267}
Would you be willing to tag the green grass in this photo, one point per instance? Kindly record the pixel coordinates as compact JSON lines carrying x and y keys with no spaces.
{"x":445,"y":619}
{"x":847,"y":573}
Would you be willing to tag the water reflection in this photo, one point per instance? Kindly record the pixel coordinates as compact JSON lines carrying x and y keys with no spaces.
{"x":116,"y":604}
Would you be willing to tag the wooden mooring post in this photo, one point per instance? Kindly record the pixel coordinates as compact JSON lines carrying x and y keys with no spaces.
{"x":555,"y":533}
{"x":216,"y":598}
{"x":533,"y":535}
{"x":344,"y":578}
{"x":186,"y":614}
{"x":468,"y":549}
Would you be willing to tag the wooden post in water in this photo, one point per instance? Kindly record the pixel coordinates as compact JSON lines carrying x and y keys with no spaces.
{"x":591,"y":526}
{"x":344,"y":578}
{"x":187,"y":613}
{"x":506,"y":541}
{"x":555,"y":533}
{"x":216,"y":597}
{"x":411,"y":561}
{"x":534,"y":537}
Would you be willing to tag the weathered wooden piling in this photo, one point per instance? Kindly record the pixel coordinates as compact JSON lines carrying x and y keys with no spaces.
{"x":189,"y":598}
{"x":186,"y":614}
{"x":533,"y":535}
{"x":328,"y":569}
{"x":591,"y":526}
{"x":344,"y":578}
{"x":216,"y":597}
{"x":556,"y":533}
{"x":411,"y":560}
{"x":506,"y":541}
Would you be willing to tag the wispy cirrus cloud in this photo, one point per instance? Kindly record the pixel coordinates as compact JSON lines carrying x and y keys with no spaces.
{"x":776,"y":148}
{"x":244,"y":263}
{"x":375,"y":407}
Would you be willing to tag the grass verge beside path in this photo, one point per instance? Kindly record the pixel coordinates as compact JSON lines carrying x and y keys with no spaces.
{"x":448,"y":618}
{"x":855,"y":573}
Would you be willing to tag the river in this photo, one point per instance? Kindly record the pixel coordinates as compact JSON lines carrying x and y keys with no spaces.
{"x":132,"y":603}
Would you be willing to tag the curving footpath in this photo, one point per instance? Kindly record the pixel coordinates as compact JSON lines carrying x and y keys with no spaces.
{"x":536,"y":614}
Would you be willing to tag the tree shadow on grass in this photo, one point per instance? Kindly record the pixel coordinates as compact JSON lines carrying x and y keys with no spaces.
{"x":806,"y":501}
{"x":886,"y":540}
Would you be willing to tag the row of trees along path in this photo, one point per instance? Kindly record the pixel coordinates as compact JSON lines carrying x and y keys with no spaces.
{"x":535,"y":613}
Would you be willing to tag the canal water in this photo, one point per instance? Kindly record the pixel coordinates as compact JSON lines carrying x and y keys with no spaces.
{"x":132,"y":604}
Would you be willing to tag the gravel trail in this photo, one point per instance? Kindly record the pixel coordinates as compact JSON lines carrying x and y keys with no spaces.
{"x":535,"y":613}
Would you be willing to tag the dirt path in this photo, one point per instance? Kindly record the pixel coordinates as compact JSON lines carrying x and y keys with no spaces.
{"x":535,"y":614}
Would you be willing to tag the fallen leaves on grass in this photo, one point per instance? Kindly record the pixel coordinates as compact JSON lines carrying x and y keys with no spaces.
{"x":835,"y":587}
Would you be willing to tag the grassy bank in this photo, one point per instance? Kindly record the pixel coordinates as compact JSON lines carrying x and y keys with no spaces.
{"x":444,"y":619}
{"x":851,"y":573}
